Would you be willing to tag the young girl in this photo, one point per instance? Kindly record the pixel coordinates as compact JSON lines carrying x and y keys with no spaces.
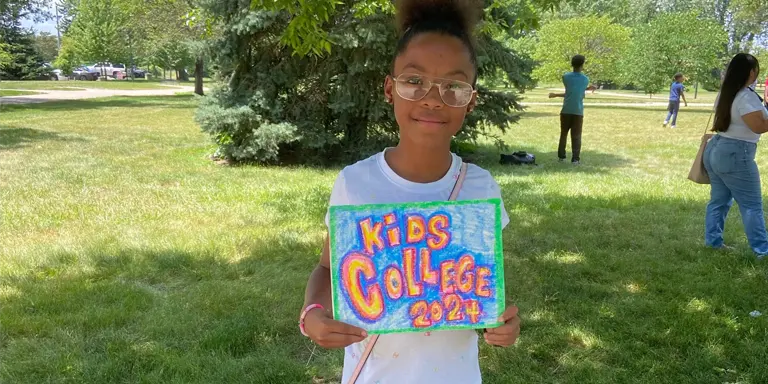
{"x":729,"y":158}
{"x":431,"y":89}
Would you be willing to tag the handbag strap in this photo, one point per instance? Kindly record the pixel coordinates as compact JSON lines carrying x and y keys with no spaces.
{"x":374,"y":338}
{"x":706,"y":128}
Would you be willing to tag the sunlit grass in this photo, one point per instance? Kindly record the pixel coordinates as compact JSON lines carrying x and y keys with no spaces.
{"x":74,"y":85}
{"x":11,"y":92}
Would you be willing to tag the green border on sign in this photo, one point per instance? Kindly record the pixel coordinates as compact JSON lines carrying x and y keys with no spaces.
{"x":498,"y":250}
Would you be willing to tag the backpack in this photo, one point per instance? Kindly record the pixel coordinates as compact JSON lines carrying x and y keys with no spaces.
{"x":518,"y":158}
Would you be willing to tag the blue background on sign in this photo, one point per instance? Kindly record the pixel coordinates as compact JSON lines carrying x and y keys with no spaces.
{"x":473,"y":231}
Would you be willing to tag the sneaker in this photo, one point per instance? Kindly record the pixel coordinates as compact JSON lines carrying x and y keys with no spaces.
{"x":561,"y":160}
{"x":575,"y":162}
{"x":674,"y":126}
{"x":724,"y":247}
{"x":665,"y":124}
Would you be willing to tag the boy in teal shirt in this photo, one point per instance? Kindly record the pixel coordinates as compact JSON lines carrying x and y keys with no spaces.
{"x":572,"y":115}
{"x":676,"y":92}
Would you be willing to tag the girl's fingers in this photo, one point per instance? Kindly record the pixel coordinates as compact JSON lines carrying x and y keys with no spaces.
{"x":501,"y":340}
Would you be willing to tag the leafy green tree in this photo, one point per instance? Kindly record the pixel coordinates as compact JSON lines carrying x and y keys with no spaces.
{"x":97,"y":32}
{"x":671,"y":43}
{"x":47,"y":46}
{"x":602,"y":42}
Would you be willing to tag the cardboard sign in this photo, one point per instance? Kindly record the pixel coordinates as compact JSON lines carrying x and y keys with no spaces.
{"x":417,"y":266}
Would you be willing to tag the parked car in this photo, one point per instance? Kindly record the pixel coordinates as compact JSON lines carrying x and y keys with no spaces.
{"x":59,"y":75}
{"x":137,"y":73}
{"x":108,"y":68}
{"x":83,"y":73}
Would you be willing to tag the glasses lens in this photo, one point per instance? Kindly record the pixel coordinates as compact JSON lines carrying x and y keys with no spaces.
{"x":456,"y":93}
{"x":412,"y":87}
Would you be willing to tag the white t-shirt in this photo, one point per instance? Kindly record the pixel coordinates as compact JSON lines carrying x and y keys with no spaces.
{"x":432,"y":357}
{"x":746,"y":102}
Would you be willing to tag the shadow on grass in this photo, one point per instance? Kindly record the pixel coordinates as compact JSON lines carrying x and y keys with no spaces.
{"x":605,"y":298}
{"x":174,"y":101}
{"x":162,"y":315}
{"x":611,"y":290}
{"x":11,"y":138}
{"x":488,"y":157}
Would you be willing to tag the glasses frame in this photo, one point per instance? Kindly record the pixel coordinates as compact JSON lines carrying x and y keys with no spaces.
{"x":399,"y":78}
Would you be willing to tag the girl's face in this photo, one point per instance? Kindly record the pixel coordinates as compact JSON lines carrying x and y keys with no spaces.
{"x":752,"y":76}
{"x":429,"y":122}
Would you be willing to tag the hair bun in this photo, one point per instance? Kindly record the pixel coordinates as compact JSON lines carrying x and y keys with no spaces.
{"x":464,"y":14}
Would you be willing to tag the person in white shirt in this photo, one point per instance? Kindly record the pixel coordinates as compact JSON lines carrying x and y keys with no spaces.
{"x":729,"y":157}
{"x":432,"y":89}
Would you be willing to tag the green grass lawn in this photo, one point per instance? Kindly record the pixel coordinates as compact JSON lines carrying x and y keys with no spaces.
{"x":74,"y":85}
{"x":616,"y":96}
{"x":126,"y":255}
{"x":13,"y":92}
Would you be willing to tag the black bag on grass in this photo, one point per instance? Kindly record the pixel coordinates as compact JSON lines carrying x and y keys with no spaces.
{"x":518,"y":158}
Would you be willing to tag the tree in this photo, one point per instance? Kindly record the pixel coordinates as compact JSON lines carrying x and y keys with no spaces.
{"x":602,"y":42}
{"x":46,"y":45}
{"x":21,"y":62}
{"x":5,"y":55}
{"x":671,"y":43}
{"x":97,"y":31}
{"x":279,"y":103}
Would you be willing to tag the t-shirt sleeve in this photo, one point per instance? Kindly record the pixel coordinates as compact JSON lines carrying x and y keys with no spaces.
{"x":747,"y":103}
{"x":495,"y":193}
{"x":338,"y":197}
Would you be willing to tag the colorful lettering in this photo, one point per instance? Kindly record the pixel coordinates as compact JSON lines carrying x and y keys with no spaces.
{"x":409,"y":269}
{"x":393,"y":281}
{"x":415,"y":229}
{"x":419,"y":314}
{"x":446,"y":276}
{"x":452,"y":303}
{"x":371,"y":235}
{"x":436,"y":311}
{"x":472,"y":307}
{"x":437,"y":228}
{"x":368,"y":304}
{"x":482,"y":284}
{"x":428,"y":275}
{"x":464,"y":275}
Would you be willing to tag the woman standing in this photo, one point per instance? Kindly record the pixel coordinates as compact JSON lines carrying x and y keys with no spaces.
{"x":729,"y":158}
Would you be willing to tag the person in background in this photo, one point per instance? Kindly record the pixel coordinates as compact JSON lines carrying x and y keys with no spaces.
{"x":572,"y":114}
{"x":676,"y":92}
{"x":729,"y":158}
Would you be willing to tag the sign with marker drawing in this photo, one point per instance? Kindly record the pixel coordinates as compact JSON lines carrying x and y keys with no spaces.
{"x":417,"y":266}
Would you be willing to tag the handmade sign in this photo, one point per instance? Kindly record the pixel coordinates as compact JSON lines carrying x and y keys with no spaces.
{"x":415,"y":266}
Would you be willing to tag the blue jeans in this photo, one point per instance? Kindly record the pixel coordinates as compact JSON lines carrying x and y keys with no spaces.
{"x":733,"y":173}
{"x":673,"y":108}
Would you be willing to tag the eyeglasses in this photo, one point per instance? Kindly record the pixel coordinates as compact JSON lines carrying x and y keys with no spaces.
{"x":414,"y":87}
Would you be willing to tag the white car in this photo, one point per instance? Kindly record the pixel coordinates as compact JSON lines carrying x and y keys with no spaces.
{"x":107,"y":68}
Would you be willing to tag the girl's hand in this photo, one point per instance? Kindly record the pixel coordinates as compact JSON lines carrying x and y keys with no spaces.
{"x":329,"y":333}
{"x":506,"y":334}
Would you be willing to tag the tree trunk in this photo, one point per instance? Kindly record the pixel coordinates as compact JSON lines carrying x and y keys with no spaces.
{"x":696,"y":91}
{"x":199,"y":76}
